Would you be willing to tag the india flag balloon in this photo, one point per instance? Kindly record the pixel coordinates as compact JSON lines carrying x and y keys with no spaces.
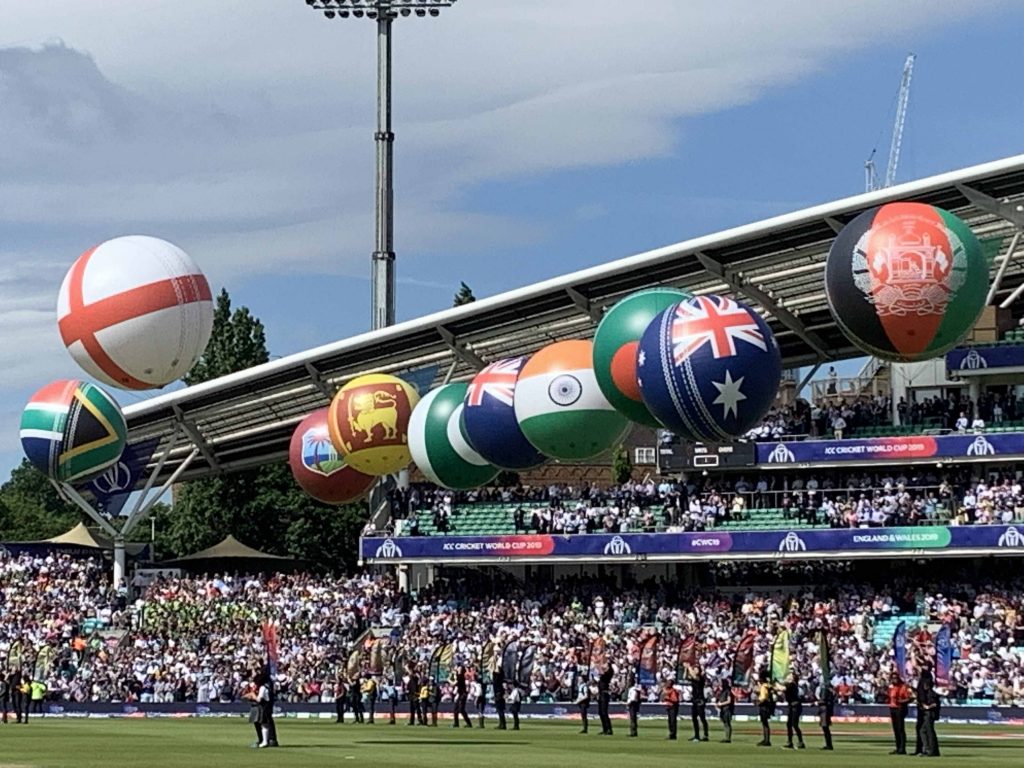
{"x":560,"y":406}
{"x":438,"y":444}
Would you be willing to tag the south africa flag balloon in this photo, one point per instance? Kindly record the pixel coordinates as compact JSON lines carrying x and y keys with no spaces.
{"x":489,"y":417}
{"x":906,"y":281}
{"x":438,"y":444}
{"x":560,"y":406}
{"x":709,"y":368}
{"x":615,"y":348}
{"x":72,"y":430}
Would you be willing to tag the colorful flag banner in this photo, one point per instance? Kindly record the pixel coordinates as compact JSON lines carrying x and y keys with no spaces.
{"x":647,"y":664}
{"x":743,"y":659}
{"x":355,"y":663}
{"x":687,"y":656}
{"x":445,"y":658}
{"x":899,"y":648}
{"x":510,"y":661}
{"x":824,"y":661}
{"x":943,"y":656}
{"x":270,"y":645}
{"x":526,"y":660}
{"x":598,"y":657}
{"x":44,"y":662}
{"x":780,"y":656}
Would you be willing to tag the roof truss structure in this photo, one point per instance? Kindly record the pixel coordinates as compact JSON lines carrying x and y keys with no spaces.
{"x":246,"y":419}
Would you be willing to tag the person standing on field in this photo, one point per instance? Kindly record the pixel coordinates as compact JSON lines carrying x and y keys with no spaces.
{"x":670,"y":698}
{"x":604,"y":697}
{"x":899,"y":702}
{"x":633,"y":698}
{"x":698,"y":703}
{"x":726,"y":703}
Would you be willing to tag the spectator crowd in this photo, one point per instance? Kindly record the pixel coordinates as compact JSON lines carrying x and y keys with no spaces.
{"x":836,"y":499}
{"x":197,"y":638}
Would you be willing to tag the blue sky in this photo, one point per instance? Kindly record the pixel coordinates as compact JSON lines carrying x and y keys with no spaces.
{"x":527,"y":146}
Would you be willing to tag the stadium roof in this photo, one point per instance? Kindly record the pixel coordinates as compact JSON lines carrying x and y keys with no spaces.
{"x":246,"y":419}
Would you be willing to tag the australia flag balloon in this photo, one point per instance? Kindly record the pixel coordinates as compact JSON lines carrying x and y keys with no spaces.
{"x":709,"y":368}
{"x":489,"y":418}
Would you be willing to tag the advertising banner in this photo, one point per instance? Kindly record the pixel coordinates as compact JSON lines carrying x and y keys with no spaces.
{"x":970,"y":360}
{"x":872,"y":450}
{"x":707,"y":544}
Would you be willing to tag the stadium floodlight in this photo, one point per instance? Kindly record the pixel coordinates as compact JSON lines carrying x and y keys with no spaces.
{"x":383,"y":12}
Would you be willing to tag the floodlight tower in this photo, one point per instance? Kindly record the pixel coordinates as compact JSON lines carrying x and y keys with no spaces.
{"x":384,"y":12}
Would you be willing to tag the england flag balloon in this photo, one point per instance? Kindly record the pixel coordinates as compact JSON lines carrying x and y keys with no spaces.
{"x":709,"y":368}
{"x":489,"y":418}
{"x":135,"y":312}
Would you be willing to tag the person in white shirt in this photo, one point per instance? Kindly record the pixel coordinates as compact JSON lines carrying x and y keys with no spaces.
{"x":633,"y":698}
{"x":961,"y":423}
{"x":515,"y":702}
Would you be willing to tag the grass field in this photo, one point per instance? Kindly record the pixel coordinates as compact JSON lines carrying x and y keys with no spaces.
{"x":224,"y":743}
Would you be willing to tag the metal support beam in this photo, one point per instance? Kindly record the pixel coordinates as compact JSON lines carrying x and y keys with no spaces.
{"x":783,"y":315}
{"x":1011,"y":212}
{"x":68,"y":492}
{"x":806,"y":379}
{"x":196,"y":437}
{"x":451,"y":372}
{"x":319,"y":382}
{"x":1007,"y":258}
{"x":142,"y":510}
{"x":835,"y":224}
{"x":154,"y":474}
{"x":584,"y":304}
{"x":461,"y":350}
{"x":1012,"y":297}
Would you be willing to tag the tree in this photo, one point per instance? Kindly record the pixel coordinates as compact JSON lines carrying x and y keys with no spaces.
{"x":622,"y":466}
{"x":262,"y":507}
{"x":31,"y":508}
{"x":463,"y":296}
{"x":238,"y":341}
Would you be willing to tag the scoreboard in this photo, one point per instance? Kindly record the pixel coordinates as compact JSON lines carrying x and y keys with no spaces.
{"x":684,"y":455}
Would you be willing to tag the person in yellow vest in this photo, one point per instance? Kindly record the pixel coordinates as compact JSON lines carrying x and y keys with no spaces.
{"x":37,"y":691}
{"x":24,"y":689}
{"x":424,"y":701}
{"x":370,"y":696}
{"x":765,"y":708}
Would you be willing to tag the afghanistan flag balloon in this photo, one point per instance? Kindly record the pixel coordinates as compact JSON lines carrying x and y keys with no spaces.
{"x":560,"y":407}
{"x":615,"y":348}
{"x":709,"y":368}
{"x":72,"y":430}
{"x":438,"y":444}
{"x":906,"y":281}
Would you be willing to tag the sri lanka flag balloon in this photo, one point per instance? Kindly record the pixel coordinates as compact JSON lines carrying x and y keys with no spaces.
{"x":709,"y":368}
{"x":906,"y":281}
{"x":561,"y":408}
{"x":438,"y":443}
{"x":489,"y":418}
{"x":615,"y":347}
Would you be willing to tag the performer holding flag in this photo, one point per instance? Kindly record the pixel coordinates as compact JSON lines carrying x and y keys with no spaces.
{"x":269,"y":630}
{"x":826,"y":695}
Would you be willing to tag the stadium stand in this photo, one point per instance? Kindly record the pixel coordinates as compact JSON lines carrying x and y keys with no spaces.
{"x":197,"y":638}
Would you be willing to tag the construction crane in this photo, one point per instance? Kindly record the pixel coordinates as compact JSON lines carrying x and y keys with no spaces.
{"x":870,"y":172}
